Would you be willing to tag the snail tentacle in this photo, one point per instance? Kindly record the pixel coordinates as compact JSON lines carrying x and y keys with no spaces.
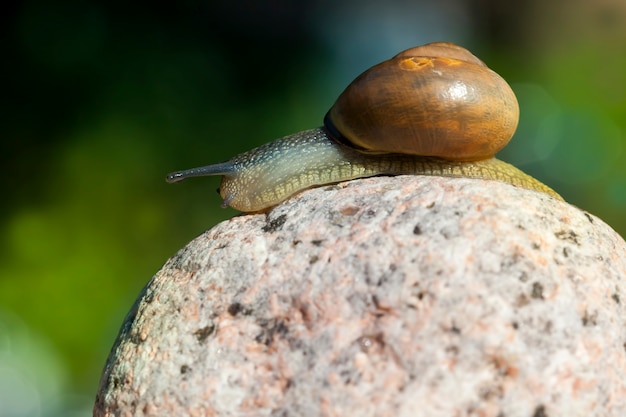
{"x":224,"y":168}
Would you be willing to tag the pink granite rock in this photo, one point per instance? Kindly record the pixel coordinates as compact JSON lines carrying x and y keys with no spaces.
{"x":403,"y":296}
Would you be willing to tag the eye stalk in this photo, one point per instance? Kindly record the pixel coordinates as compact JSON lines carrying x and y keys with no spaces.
{"x":224,"y":168}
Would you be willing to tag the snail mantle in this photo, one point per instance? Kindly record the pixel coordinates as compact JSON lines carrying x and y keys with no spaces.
{"x":404,"y":296}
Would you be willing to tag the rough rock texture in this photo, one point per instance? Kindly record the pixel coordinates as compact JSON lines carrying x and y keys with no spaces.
{"x":405,"y":296}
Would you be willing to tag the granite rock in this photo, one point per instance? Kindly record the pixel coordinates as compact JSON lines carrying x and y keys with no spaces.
{"x":389,"y":296}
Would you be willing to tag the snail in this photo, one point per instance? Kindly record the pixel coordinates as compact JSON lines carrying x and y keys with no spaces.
{"x":435,"y":109}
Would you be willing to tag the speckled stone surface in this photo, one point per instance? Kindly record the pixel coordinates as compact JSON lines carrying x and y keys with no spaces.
{"x":404,"y":296}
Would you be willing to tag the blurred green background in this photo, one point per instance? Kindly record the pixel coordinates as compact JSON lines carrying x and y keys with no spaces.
{"x":102,"y":99}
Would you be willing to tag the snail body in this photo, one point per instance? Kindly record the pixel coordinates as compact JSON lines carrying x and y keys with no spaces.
{"x":430,"y":110}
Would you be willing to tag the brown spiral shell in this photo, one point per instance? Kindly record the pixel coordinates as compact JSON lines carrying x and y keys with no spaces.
{"x":433,"y":100}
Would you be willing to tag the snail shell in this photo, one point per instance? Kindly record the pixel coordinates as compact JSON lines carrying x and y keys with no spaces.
{"x":434,"y":100}
{"x":430,"y":110}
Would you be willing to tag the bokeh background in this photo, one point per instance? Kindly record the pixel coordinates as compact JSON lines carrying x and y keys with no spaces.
{"x":102,"y":99}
